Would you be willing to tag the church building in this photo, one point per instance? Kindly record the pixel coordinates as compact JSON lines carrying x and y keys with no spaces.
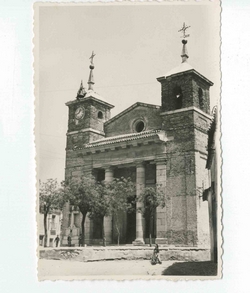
{"x":153,"y":145}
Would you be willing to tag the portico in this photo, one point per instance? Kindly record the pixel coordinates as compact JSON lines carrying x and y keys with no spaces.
{"x":143,"y":173}
{"x":115,"y":157}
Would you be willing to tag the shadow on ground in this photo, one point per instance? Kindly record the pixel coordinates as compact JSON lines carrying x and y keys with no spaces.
{"x":203,"y":268}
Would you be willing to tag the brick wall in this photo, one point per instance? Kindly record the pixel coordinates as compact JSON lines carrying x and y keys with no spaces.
{"x":181,"y":229}
{"x":186,"y":214}
{"x":125,"y":123}
{"x":78,"y":140}
{"x":90,"y":119}
{"x":189,"y":83}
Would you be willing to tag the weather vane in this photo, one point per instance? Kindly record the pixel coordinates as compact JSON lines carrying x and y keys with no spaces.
{"x":183,"y":29}
{"x":92,"y":57}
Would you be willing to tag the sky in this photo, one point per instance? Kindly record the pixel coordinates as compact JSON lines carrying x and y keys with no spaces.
{"x":134,"y":44}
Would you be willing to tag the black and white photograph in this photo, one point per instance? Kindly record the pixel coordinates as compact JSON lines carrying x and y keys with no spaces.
{"x":127,"y":136}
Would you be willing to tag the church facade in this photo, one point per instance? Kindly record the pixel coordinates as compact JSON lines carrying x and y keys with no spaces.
{"x":162,"y":145}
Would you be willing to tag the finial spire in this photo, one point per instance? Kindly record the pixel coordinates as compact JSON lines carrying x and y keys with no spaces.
{"x":91,"y":76}
{"x":81,"y":92}
{"x":184,"y":53}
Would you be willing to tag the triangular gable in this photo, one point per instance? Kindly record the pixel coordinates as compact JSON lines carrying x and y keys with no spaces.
{"x":137,"y":104}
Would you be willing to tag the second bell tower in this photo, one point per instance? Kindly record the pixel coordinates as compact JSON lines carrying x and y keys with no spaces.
{"x":184,"y":87}
{"x":186,"y":117}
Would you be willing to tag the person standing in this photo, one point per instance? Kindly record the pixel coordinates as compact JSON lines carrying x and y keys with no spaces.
{"x":57,"y":239}
{"x":69,"y":241}
{"x":80,"y":240}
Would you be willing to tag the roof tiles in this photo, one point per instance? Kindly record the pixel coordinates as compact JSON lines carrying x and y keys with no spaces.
{"x":122,"y":138}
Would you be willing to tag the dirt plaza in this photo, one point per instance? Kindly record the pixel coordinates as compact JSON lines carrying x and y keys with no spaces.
{"x":52,"y":269}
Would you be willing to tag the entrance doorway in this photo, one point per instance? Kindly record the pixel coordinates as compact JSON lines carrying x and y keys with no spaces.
{"x":125,"y":226}
{"x":131,"y":222}
{"x":150,"y":226}
{"x":131,"y":228}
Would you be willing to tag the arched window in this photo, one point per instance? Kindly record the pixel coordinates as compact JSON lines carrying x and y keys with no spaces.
{"x":100,"y":115}
{"x":201,"y":101}
{"x":178,"y":97}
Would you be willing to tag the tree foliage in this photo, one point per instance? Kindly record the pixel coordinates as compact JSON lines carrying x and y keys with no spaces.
{"x":50,"y":196}
{"x":100,"y":199}
{"x":110,"y":199}
{"x":151,"y":197}
{"x":81,"y":193}
{"x":120,"y":190}
{"x":50,"y":199}
{"x":100,"y":205}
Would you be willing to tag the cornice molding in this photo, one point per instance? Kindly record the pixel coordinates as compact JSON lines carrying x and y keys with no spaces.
{"x":192,"y":108}
{"x":86,"y":130}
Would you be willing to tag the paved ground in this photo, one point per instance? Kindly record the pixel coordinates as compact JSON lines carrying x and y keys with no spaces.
{"x":54,"y":268}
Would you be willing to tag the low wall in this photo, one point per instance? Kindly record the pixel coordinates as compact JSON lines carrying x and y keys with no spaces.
{"x":129,"y":253}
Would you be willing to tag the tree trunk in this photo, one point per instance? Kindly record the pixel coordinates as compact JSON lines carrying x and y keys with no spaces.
{"x":118,"y":231}
{"x":45,"y":229}
{"x":150,"y":227}
{"x":118,"y":234}
{"x":83,"y":228}
{"x":150,"y":231}
{"x":103,"y":233}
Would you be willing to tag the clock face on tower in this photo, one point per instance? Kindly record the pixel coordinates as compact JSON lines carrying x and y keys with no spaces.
{"x":79,"y":113}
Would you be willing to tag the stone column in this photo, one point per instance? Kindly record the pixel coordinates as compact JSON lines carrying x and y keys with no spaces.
{"x":140,"y":185}
{"x":109,"y":175}
{"x":161,"y":221}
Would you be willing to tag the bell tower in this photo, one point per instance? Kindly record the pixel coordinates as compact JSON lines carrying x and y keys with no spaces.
{"x":87,"y":115}
{"x":183,"y":86}
{"x":185,"y":113}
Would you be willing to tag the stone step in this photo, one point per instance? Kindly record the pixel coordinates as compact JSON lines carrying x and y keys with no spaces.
{"x":115,"y":253}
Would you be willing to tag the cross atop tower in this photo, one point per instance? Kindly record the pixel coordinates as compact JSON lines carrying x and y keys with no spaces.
{"x":184,"y":53}
{"x":92,"y":57}
{"x":183,"y":29}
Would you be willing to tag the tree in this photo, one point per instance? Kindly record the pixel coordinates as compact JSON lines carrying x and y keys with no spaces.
{"x":119,"y":191}
{"x":81,"y":193}
{"x":50,"y":199}
{"x":110,"y":199}
{"x":100,"y":199}
{"x":152,"y":197}
{"x":100,"y":205}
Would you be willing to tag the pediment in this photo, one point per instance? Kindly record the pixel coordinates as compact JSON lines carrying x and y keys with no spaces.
{"x":137,"y":118}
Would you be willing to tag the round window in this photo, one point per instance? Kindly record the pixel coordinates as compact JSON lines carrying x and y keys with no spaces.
{"x":139,"y":126}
